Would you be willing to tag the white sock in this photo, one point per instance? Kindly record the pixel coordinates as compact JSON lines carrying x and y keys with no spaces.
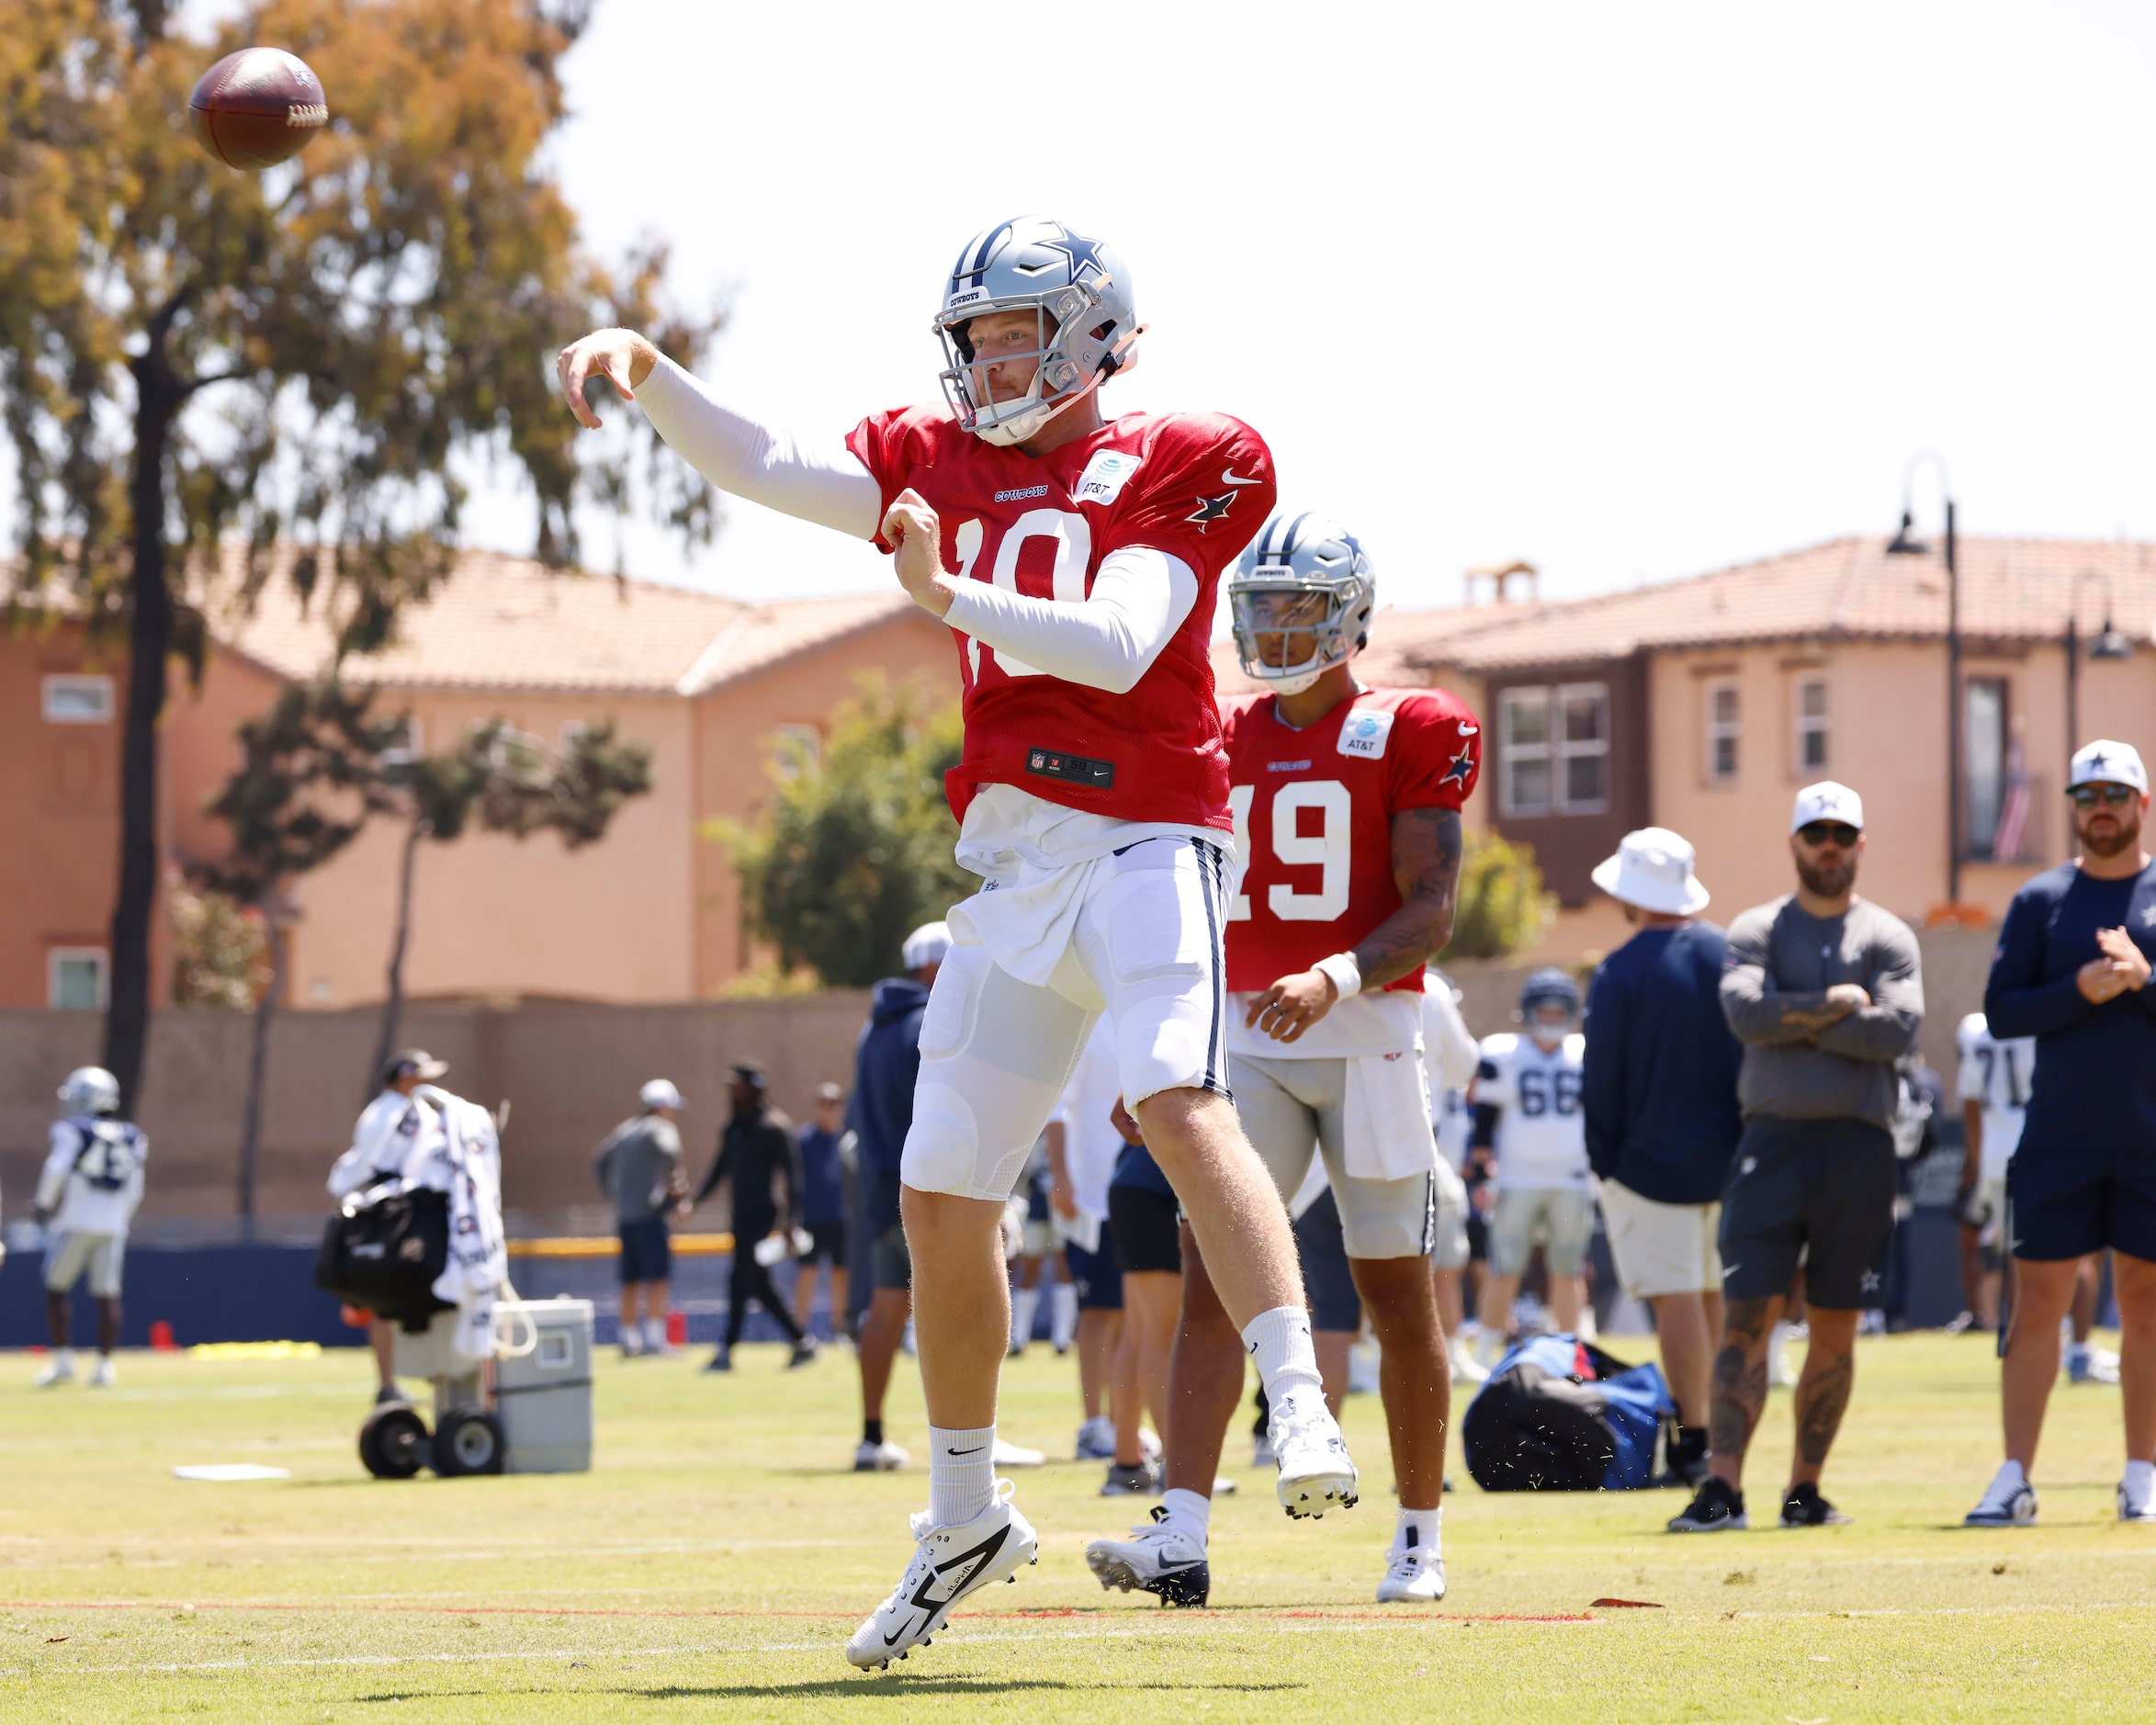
{"x":1021,"y":1315}
{"x":654,"y":1332}
{"x":1279,"y":1340}
{"x":2141,"y":1482}
{"x":1189,"y":1513}
{"x":2008,"y":1476}
{"x":962,"y":1474}
{"x":1420,"y":1530}
{"x":1063,"y":1316}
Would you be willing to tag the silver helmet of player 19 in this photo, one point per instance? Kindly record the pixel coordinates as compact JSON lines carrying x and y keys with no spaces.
{"x":1298,"y":560}
{"x":1079,"y":294}
{"x":90,"y":1090}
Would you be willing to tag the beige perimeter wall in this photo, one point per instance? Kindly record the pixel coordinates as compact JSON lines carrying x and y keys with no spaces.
{"x":571,"y":1070}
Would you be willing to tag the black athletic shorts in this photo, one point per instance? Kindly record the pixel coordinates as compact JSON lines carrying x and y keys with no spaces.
{"x":1145,"y":1225}
{"x":1818,"y":1192}
{"x":647,"y":1255}
{"x":2066,"y":1204}
{"x":1327,"y":1283}
{"x":890,"y":1261}
{"x":827,"y":1240}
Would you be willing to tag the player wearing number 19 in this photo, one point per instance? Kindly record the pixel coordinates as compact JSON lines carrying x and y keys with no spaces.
{"x":1347,"y":804}
{"x":1076,"y":560}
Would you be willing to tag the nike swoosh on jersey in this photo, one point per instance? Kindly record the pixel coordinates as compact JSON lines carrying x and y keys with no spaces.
{"x":1227,"y":476}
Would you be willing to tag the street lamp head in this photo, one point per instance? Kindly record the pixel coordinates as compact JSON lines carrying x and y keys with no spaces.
{"x":1901,"y":545}
{"x":2110,"y":643}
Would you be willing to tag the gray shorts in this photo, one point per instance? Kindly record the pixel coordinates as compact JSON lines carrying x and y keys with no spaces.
{"x":890,"y":1259}
{"x":1449,"y":1220}
{"x":1292,"y":1108}
{"x":1558,"y":1219}
{"x":67,"y":1256}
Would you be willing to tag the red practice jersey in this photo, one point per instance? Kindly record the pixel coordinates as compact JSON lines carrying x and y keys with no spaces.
{"x":1196,"y":486}
{"x":1313,"y":820}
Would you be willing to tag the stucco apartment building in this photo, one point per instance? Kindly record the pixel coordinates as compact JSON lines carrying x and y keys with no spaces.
{"x":1702,"y":705}
{"x":725,"y":693}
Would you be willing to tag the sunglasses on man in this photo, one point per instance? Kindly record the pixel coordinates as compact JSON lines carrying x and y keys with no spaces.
{"x":1817,"y":832}
{"x":2105,"y":796}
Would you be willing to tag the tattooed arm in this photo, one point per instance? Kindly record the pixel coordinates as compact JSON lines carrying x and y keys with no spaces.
{"x":1426,"y":865}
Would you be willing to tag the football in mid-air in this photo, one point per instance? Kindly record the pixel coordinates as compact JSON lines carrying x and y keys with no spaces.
{"x":257,"y":108}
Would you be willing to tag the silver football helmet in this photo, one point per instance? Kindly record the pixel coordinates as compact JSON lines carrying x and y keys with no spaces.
{"x":1079,"y":294}
{"x":90,"y":1090}
{"x":1307,"y":583}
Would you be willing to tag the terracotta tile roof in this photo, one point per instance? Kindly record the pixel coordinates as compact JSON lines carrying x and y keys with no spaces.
{"x":2011,"y":590}
{"x":510,"y":623}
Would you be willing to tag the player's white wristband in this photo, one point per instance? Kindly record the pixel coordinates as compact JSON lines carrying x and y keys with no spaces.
{"x":1346,"y":973}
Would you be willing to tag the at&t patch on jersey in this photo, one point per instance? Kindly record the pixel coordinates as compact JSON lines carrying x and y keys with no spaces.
{"x":1366,"y":734}
{"x":1106,"y":476}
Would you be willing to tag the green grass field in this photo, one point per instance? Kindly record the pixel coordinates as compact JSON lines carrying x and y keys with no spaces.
{"x":719,"y":1554}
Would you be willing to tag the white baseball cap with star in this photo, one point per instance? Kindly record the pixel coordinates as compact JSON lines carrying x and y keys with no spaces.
{"x":1827,"y":801}
{"x":2106,"y":762}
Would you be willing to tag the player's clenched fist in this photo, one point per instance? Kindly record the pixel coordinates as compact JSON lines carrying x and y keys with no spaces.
{"x":916,"y":539}
{"x":622,"y":356}
{"x":1292,"y":1005}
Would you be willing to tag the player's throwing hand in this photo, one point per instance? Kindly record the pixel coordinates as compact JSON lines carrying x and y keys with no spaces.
{"x":622,"y":356}
{"x":911,"y":530}
{"x":1292,"y":1005}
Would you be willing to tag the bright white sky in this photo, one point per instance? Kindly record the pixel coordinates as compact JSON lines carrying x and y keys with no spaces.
{"x":1631,"y":292}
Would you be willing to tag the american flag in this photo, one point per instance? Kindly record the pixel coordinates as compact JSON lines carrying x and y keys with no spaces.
{"x":2013,"y":808}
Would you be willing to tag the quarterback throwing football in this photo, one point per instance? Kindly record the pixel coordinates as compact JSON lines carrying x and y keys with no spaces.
{"x":1076,"y":560}
{"x":1347,"y":804}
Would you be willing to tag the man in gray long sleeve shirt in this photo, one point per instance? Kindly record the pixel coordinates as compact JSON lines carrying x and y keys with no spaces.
{"x":1825,"y":991}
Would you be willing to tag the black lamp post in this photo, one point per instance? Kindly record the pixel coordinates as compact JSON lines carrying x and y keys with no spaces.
{"x":2109,"y":643}
{"x":1902,"y":545}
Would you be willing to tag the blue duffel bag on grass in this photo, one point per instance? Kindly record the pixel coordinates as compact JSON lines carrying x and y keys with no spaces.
{"x":1559,"y":1415}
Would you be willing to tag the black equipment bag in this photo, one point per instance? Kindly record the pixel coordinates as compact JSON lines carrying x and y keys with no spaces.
{"x":382,"y":1254}
{"x":1532,"y":1429}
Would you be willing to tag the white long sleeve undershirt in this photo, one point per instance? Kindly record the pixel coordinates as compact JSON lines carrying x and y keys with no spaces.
{"x":1109,"y":640}
{"x":738,"y":452}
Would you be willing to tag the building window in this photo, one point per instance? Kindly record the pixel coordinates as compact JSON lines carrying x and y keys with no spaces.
{"x":75,"y":978}
{"x":1555,"y":749}
{"x":406,"y":745}
{"x":1984,"y":765}
{"x":796,"y":749}
{"x":78,"y":700}
{"x":1722,"y":733}
{"x":1810,"y":725}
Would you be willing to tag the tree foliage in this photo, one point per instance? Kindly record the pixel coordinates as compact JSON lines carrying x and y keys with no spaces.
{"x":1502,"y":908}
{"x":220,"y":957}
{"x":855,"y":852}
{"x":283,"y":370}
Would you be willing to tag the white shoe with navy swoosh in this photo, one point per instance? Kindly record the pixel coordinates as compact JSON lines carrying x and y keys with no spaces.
{"x":948,"y":1564}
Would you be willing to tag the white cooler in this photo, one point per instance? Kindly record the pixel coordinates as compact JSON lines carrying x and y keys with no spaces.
{"x":543,"y":1391}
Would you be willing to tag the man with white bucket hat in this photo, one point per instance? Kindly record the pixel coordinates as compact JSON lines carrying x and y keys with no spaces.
{"x":1660,"y":1092}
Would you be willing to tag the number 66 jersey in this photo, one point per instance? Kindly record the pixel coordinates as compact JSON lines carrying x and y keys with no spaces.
{"x":1314,"y":827}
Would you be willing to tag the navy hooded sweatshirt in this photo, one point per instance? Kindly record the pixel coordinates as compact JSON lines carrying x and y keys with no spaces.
{"x":886,"y":1061}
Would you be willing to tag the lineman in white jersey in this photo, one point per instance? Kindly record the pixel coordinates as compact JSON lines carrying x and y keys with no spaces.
{"x":1993,"y":1084}
{"x":1527,"y":1102}
{"x":87,"y":1194}
{"x":1449,"y":1057}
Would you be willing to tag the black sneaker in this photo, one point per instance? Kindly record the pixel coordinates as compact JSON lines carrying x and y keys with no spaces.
{"x":723,"y":1360}
{"x":1719,"y":1508}
{"x":1804,"y":1507}
{"x":389,"y":1395}
{"x":805,"y":1350}
{"x":1687,"y":1464}
{"x":1129,"y":1482}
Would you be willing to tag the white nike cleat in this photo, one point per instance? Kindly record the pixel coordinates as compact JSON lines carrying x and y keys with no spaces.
{"x":60,"y":1369}
{"x":1314,"y":1471}
{"x":1156,"y":1558}
{"x":1017,"y":1456}
{"x":102,"y":1375}
{"x":884,"y":1457}
{"x":1412,"y":1576}
{"x":949,"y":1564}
{"x":2010,"y":1501}
{"x":2130,"y":1510}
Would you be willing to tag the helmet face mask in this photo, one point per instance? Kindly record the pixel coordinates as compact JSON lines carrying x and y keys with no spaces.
{"x":1550,"y":1007}
{"x":1086,"y":326}
{"x":1281,"y":637}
